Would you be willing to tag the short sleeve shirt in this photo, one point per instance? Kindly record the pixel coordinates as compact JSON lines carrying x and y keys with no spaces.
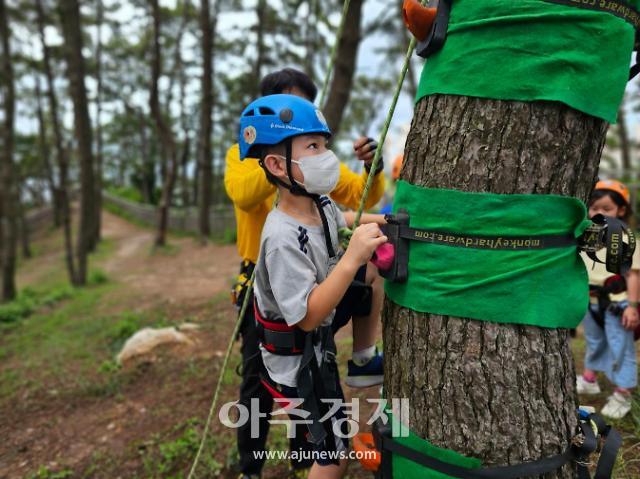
{"x":293,"y":260}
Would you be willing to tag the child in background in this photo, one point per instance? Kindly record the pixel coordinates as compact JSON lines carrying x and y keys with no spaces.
{"x":304,"y":285}
{"x":609,"y":334}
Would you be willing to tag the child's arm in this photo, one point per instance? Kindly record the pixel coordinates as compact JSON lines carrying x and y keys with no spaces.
{"x":350,"y":217}
{"x":630,"y":317}
{"x":325,"y":297}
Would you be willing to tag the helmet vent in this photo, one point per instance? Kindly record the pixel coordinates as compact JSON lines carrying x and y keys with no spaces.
{"x":266,"y":111}
{"x":249,"y":113}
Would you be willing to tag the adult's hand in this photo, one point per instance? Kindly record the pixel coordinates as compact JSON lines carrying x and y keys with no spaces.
{"x":365,"y":149}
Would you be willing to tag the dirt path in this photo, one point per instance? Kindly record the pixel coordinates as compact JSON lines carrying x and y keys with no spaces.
{"x":81,"y":428}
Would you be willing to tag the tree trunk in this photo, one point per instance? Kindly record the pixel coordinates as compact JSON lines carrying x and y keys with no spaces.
{"x":98,"y":193}
{"x":70,"y":19}
{"x":345,"y":67}
{"x":164,"y":132}
{"x":206,"y":124}
{"x":24,"y":230}
{"x":8,"y":214}
{"x":43,"y":147}
{"x":61,"y":154}
{"x":261,"y":14}
{"x":502,"y":393}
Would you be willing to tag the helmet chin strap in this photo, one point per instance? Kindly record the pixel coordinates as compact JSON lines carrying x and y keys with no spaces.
{"x":296,"y":189}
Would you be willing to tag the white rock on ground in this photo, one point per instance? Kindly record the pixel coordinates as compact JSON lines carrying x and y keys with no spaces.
{"x":147,"y":339}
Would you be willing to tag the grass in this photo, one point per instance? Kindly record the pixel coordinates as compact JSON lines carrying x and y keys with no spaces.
{"x":170,"y":457}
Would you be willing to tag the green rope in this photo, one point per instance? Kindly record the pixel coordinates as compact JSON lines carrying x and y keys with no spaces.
{"x":385,"y":129}
{"x":205,"y":433}
{"x":334,"y":53}
{"x":363,"y":200}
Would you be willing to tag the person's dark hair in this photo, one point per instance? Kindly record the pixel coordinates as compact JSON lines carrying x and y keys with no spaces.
{"x":285,"y":79}
{"x":615,"y":197}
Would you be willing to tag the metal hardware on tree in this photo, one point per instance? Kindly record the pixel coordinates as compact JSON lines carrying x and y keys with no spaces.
{"x":438,"y":33}
{"x":604,"y":233}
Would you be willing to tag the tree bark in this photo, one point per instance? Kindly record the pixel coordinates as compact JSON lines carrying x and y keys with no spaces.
{"x":261,"y":15}
{"x":502,"y":393}
{"x":163,"y":130}
{"x":9,"y":212}
{"x":25,"y":242}
{"x":61,"y":154}
{"x":206,"y":123}
{"x":70,"y":19}
{"x":345,"y":67}
{"x":99,"y":158}
{"x":43,"y":147}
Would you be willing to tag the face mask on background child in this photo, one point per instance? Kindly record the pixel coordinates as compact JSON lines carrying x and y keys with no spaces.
{"x":321,"y":172}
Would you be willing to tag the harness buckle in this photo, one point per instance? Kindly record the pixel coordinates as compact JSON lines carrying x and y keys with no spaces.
{"x":329,"y":357}
{"x":399,"y":269}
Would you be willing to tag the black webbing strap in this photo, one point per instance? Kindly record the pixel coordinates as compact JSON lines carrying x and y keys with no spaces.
{"x":487,"y":242}
{"x":325,"y":225}
{"x":577,"y":452}
{"x":534,"y":468}
{"x":438,"y":33}
{"x":619,"y":254}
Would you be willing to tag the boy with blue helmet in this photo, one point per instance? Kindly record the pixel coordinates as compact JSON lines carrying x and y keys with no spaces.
{"x":252,"y":195}
{"x":304,"y":285}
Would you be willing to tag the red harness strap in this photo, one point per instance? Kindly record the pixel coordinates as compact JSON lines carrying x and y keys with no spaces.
{"x":265,"y":326}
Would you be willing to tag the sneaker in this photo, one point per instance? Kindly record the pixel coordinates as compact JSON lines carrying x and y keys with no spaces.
{"x":369,"y":374}
{"x":586,"y":387}
{"x":618,"y":405}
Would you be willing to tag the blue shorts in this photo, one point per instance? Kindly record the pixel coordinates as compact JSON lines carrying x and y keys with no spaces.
{"x":355,"y":302}
{"x":611,"y":349}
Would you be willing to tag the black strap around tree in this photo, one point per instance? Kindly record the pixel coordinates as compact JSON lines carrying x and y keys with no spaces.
{"x":487,"y":242}
{"x":577,"y":453}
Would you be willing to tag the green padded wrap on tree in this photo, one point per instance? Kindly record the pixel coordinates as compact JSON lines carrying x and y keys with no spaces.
{"x":407,"y":469}
{"x":546,"y":287}
{"x":533,"y":50}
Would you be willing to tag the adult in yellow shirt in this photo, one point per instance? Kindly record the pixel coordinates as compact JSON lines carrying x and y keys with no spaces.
{"x":252,"y":196}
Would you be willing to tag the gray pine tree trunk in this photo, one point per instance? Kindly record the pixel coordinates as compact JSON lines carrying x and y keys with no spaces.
{"x":61,"y":153}
{"x":206,"y":122}
{"x":8,"y":183}
{"x":502,"y":393}
{"x":72,"y":30}
{"x":345,"y":67}
{"x":163,"y":130}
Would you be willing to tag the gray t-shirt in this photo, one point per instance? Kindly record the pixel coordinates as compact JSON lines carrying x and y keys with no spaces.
{"x":293,"y":260}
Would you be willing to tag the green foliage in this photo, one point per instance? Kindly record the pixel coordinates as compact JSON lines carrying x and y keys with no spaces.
{"x":45,"y":473}
{"x":29,"y":300}
{"x":230,"y":236}
{"x":168,"y":459}
{"x":127,"y":193}
{"x":98,"y":276}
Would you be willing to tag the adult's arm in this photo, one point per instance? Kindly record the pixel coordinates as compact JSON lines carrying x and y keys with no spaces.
{"x":245,"y":181}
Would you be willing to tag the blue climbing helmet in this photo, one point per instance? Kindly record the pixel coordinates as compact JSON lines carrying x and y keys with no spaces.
{"x":274,"y":118}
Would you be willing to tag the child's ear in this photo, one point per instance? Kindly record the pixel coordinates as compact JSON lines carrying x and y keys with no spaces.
{"x":275,"y":165}
{"x":622,"y":212}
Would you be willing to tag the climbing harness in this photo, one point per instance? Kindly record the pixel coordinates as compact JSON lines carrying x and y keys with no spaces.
{"x":592,"y":435}
{"x":608,"y":233}
{"x":615,"y":284}
{"x":604,"y":233}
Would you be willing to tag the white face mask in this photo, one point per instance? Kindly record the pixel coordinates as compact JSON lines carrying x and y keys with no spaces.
{"x":321,"y":172}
